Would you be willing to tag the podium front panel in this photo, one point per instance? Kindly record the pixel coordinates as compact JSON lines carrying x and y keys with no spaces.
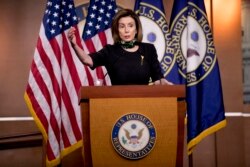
{"x":105,"y":112}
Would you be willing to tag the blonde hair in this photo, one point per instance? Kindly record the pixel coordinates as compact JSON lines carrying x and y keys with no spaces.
{"x":124,"y":13}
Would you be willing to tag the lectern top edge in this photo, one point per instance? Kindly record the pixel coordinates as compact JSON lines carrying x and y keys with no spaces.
{"x":88,"y":92}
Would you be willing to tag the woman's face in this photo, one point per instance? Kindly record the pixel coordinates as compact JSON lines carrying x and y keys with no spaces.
{"x":127,"y":28}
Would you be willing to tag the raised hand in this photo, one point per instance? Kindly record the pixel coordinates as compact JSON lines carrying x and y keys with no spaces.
{"x":71,"y":35}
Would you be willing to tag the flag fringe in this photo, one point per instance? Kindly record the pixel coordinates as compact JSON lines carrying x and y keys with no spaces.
{"x":191,"y":144}
{"x":65,"y":151}
{"x":33,"y":113}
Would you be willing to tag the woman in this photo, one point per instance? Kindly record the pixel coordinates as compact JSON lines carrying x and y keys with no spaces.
{"x":128,"y":61}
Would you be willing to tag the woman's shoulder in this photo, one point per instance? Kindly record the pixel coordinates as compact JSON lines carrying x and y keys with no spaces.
{"x":147,"y":47}
{"x":111,"y":46}
{"x":108,"y":48}
{"x":146,"y":44}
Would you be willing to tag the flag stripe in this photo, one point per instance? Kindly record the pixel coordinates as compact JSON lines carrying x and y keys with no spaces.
{"x":65,"y":138}
{"x":44,"y":89}
{"x":48,"y":66}
{"x":42,"y":108}
{"x":56,"y":49}
{"x":69,"y":108}
{"x":50,"y":154}
{"x":102,"y":37}
{"x":70,"y":63}
{"x":90,"y":46}
{"x":99,"y":70}
{"x":36,"y":106}
{"x":89,"y":76}
{"x":86,"y":69}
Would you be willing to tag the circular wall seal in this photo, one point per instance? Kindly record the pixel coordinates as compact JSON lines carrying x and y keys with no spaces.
{"x":193,"y":44}
{"x":133,"y":136}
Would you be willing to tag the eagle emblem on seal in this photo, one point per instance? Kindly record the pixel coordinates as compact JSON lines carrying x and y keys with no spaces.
{"x":133,"y":136}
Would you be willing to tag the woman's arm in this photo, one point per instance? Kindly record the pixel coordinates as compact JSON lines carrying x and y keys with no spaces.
{"x":84,"y":58}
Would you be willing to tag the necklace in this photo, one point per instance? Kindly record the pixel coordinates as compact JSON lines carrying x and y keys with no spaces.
{"x":128,"y":45}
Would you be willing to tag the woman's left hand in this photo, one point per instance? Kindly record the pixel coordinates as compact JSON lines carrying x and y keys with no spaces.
{"x":163,"y":81}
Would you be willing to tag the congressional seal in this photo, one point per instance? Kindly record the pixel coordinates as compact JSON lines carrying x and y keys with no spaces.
{"x":193,"y":44}
{"x":133,"y":136}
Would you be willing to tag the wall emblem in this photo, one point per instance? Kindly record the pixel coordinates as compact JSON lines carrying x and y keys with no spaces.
{"x":155,"y":27}
{"x":193,"y":44}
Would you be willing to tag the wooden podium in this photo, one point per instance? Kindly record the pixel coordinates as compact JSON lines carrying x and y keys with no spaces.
{"x":102,"y":107}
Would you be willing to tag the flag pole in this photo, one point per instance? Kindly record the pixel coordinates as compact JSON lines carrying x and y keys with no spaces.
{"x":190,"y":160}
{"x":212,"y":25}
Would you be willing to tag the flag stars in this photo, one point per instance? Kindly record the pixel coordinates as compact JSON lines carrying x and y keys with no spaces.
{"x":57,"y":6}
{"x":53,"y":23}
{"x":66,"y":22}
{"x":94,"y":7}
{"x":68,"y":14}
{"x":97,"y":27}
{"x":59,"y":15}
{"x":52,"y":31}
{"x":49,"y":3}
{"x":110,"y":7}
{"x":70,"y":6}
{"x":103,"y":3}
{"x":88,"y":32}
{"x":75,"y":18}
{"x":101,"y":10}
{"x":92,"y":15}
{"x":99,"y":18}
{"x":55,"y":14}
{"x":90,"y":24}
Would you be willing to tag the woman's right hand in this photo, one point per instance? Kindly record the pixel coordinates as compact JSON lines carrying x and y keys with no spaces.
{"x":83,"y":57}
{"x":72,"y":36}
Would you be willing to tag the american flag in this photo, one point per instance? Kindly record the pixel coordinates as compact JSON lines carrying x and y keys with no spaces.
{"x":97,"y":33}
{"x":55,"y":77}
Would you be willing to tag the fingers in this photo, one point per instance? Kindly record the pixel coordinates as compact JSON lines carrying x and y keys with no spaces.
{"x":71,"y":33}
{"x":170,"y":83}
{"x":158,"y":82}
{"x":165,"y":82}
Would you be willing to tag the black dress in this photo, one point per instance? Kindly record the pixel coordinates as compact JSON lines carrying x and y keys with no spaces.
{"x":129,"y":68}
